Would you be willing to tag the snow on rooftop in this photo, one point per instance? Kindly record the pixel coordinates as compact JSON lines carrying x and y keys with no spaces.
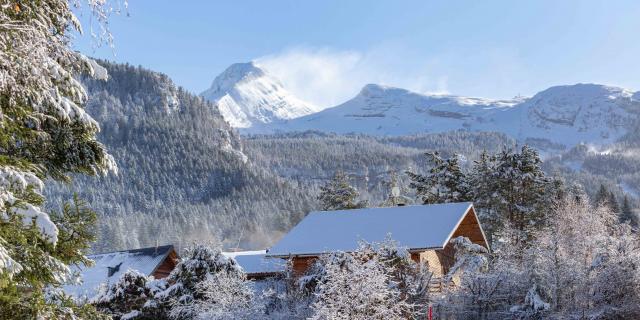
{"x":256,"y":261}
{"x":414,"y":227}
{"x":109,"y":267}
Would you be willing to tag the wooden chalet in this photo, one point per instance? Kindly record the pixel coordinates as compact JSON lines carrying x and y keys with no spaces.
{"x":425,"y":230}
{"x":108,"y":267}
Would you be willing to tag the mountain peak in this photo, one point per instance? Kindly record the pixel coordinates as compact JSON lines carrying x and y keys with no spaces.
{"x":243,"y":69}
{"x":236,"y":73}
{"x":247,"y":95}
{"x":586,"y":91}
{"x":373,"y":89}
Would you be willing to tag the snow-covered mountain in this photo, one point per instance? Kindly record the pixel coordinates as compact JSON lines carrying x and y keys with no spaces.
{"x":248,"y":95}
{"x":554,"y":118}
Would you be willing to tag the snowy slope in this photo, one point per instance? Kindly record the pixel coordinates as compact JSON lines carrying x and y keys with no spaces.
{"x":247,"y":95}
{"x":560,"y":116}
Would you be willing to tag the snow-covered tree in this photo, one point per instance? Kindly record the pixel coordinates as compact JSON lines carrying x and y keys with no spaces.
{"x":581,"y":264}
{"x":377,"y":281}
{"x":354,"y":289}
{"x":206,"y":285}
{"x":446,"y":181}
{"x":519,"y":193}
{"x":613,"y":203}
{"x":287,"y":297}
{"x":602,"y":196}
{"x":44,"y":133}
{"x":126,"y":298}
{"x":338,"y":194}
{"x":469,"y":257}
{"x":584,"y":262}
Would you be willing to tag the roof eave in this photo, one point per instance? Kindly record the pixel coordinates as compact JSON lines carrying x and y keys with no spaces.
{"x":308,"y":255}
{"x":466,"y":211}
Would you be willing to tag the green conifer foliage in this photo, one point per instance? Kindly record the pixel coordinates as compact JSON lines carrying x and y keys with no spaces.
{"x":44,"y":134}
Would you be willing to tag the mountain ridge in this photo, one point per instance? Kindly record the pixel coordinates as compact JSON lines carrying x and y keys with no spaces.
{"x":563,"y":115}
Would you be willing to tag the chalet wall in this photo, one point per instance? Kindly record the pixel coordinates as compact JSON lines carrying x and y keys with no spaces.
{"x":470,"y":228}
{"x":302,"y":264}
{"x":165,"y":268}
{"x":432,"y":260}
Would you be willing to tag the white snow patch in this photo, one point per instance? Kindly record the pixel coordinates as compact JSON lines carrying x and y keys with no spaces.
{"x":7,"y":264}
{"x":256,"y":261}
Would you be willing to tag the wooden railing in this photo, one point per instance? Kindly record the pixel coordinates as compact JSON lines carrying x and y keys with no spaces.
{"x":439,"y":284}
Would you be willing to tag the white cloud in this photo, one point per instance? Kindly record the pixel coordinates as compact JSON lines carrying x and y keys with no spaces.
{"x":328,"y":77}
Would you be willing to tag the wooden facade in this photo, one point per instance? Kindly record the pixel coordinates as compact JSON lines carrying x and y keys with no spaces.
{"x":440,"y":260}
{"x":166,"y":266}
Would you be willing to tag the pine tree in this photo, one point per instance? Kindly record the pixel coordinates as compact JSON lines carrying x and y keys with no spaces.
{"x":126,"y":297}
{"x":483,"y":186}
{"x":626,"y":213}
{"x":44,"y":134}
{"x":510,"y":188}
{"x":612,"y":202}
{"x":602,"y":196}
{"x":446,"y":181}
{"x":338,"y":194}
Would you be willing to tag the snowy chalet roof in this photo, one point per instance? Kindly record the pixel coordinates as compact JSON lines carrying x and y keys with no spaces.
{"x":110,"y":266}
{"x":256,"y":262}
{"x":414,"y":227}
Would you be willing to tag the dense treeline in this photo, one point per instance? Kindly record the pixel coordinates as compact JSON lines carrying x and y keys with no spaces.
{"x":311,"y":158}
{"x":182,"y":174}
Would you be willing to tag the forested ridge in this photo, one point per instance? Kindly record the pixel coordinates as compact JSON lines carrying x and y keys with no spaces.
{"x":182,"y":174}
{"x":186,"y":175}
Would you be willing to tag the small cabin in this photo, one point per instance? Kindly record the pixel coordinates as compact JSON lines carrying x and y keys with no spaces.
{"x":425,"y":230}
{"x":108,"y":267}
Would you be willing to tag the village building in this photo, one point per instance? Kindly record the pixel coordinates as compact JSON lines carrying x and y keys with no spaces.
{"x":425,"y":230}
{"x":154,"y":261}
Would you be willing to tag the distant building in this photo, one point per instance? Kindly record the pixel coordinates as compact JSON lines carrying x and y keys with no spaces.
{"x":425,"y":230}
{"x":155,"y":261}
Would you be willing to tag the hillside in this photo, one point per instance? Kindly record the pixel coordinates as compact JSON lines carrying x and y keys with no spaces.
{"x":182,"y":175}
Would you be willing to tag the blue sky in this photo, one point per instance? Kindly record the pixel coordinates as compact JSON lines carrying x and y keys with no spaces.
{"x":325,"y":51}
